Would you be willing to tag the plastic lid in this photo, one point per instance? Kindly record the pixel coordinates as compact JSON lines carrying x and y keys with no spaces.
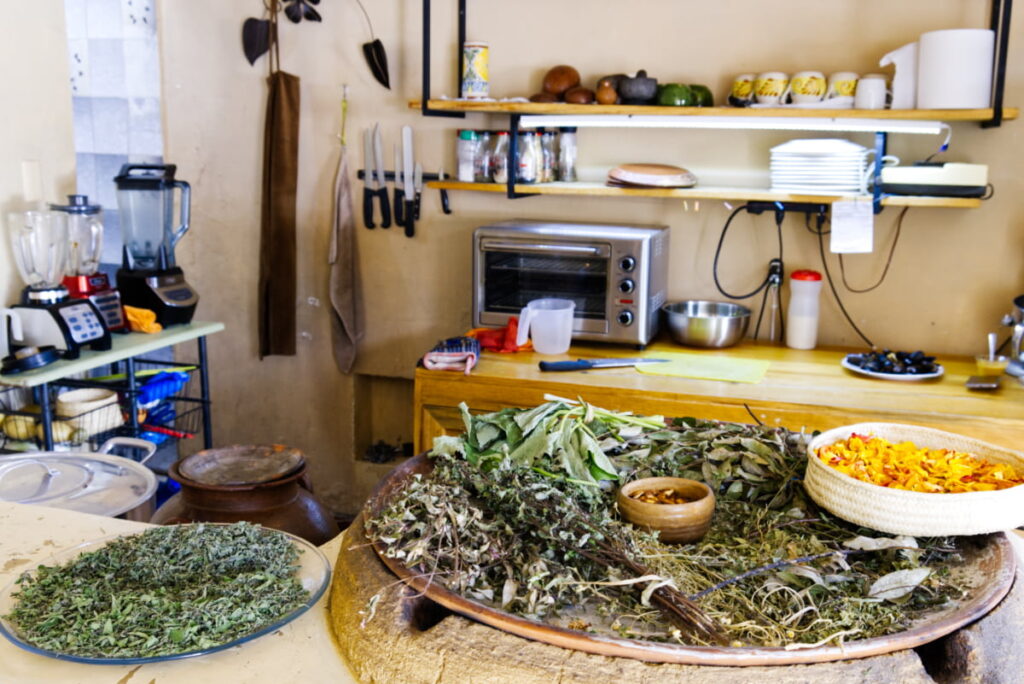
{"x":78,"y":204}
{"x":567,"y":129}
{"x":467,"y":134}
{"x":100,"y":484}
{"x":502,"y":132}
{"x":805,"y":275}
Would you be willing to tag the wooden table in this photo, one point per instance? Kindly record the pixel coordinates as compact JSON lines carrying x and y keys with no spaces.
{"x":802,"y":390}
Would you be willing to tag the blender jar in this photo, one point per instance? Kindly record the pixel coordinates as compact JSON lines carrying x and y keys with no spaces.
{"x":145,"y":198}
{"x":85,"y":234}
{"x":39,"y":240}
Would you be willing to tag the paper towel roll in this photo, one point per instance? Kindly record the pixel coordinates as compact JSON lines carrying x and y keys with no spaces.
{"x":954,"y":69}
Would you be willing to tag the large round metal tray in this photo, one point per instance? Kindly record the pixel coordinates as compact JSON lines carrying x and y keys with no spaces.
{"x":992,"y":562}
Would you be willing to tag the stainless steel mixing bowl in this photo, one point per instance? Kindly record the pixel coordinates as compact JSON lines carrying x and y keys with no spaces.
{"x":698,"y":323}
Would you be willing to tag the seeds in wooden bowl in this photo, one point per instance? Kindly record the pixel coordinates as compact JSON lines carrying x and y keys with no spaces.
{"x":659,"y":496}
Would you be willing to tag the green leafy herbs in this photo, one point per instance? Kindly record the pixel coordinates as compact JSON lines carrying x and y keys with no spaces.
{"x":168,"y":590}
{"x":520,"y":513}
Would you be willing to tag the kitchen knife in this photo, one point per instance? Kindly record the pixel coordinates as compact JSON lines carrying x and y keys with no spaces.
{"x":399,"y":194}
{"x":408,"y":169}
{"x":445,"y":206}
{"x":417,"y":183}
{"x":381,"y":187}
{"x":368,"y":178}
{"x":590,"y":364}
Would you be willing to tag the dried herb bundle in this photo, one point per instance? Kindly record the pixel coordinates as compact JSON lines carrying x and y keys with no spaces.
{"x":519,"y":513}
{"x":168,"y":590}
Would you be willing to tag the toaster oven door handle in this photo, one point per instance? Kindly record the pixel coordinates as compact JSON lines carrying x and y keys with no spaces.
{"x":581,"y":250}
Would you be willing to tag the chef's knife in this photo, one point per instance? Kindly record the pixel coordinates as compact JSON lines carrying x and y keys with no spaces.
{"x":381,"y":187}
{"x":408,"y":169}
{"x":399,"y":194}
{"x":417,"y":183}
{"x":590,"y":364}
{"x":369,"y":181}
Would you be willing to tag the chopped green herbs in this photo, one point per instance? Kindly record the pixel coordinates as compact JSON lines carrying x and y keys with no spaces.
{"x":521,"y":513}
{"x":168,"y":590}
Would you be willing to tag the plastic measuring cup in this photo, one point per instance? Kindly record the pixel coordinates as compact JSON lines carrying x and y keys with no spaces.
{"x":548,"y":322}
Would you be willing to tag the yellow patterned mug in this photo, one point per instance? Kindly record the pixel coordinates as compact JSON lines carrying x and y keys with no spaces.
{"x":742,"y":92}
{"x":841,"y":84}
{"x":770,"y":87}
{"x":806,"y":86}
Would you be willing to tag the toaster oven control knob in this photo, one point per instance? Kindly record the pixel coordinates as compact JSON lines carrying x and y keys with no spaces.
{"x":626,"y":286}
{"x":625,"y":317}
{"x":627,"y":264}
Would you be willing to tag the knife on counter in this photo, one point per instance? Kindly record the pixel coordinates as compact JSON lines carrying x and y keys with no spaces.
{"x":590,"y":364}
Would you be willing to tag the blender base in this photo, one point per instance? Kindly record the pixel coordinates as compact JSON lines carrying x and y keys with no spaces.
{"x":162,"y":291}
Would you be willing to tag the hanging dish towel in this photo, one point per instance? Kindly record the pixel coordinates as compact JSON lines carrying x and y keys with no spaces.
{"x":346,"y":326}
{"x":277,"y":223}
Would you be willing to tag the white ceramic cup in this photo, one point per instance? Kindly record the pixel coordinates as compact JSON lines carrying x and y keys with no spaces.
{"x":871,"y":92}
{"x":806,"y":86}
{"x":841,"y":84}
{"x":548,"y":322}
{"x":770,"y":87}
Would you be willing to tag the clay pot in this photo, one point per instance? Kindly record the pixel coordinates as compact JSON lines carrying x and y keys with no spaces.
{"x":282,"y":502}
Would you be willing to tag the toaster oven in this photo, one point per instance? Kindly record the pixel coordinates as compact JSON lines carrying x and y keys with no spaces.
{"x":616,"y":274}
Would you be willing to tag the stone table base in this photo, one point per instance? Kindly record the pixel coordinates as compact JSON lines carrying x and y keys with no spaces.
{"x":411,"y":639}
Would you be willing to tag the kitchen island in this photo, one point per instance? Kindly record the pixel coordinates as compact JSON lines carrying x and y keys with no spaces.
{"x":801,"y":390}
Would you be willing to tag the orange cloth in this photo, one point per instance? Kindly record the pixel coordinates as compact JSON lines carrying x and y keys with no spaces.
{"x":500,"y":339}
{"x":142,"y":320}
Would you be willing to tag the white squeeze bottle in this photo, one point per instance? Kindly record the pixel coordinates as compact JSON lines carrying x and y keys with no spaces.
{"x":802,"y":315}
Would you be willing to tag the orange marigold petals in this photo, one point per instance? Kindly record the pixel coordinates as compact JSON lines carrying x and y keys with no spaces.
{"x":919,"y":469}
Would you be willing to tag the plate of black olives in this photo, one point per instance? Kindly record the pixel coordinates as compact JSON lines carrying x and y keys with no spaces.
{"x":890,"y":365}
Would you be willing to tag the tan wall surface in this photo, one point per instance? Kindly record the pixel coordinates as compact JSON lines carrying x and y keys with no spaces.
{"x":953,"y":275}
{"x":36,"y":105}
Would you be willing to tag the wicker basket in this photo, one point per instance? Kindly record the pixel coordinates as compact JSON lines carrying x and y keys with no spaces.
{"x":898,"y":511}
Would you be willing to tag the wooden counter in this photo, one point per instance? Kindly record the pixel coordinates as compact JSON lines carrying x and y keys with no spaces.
{"x":802,"y":389}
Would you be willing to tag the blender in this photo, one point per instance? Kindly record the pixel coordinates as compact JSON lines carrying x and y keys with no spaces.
{"x":46,"y":315}
{"x":1015,"y":321}
{"x":148,"y":277}
{"x":85,"y":245}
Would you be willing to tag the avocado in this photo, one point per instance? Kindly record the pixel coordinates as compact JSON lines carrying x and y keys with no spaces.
{"x":676,"y":95}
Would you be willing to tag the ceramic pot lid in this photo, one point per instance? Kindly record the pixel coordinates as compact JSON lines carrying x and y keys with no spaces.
{"x":241,"y":464}
{"x":88,"y":483}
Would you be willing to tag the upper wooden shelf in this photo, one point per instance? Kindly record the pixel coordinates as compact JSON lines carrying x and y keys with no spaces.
{"x":561,"y":108}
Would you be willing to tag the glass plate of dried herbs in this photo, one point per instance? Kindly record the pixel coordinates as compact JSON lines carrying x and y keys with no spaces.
{"x":164,"y":593}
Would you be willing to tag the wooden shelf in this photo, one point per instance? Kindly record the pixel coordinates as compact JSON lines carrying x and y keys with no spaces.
{"x":1009,"y":113}
{"x":708,"y":193}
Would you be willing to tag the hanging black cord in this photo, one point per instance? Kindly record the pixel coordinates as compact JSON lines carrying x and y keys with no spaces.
{"x":779,"y":216}
{"x":888,"y":261}
{"x":831,"y":284}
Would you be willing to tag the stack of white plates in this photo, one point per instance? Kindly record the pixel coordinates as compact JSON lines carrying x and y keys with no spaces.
{"x":826,"y":167}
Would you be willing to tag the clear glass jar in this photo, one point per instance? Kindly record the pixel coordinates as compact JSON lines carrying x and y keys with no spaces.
{"x":529,"y":161}
{"x":567,"y":154}
{"x":499,"y":158}
{"x":548,"y":156}
{"x":482,"y":162}
{"x":465,"y":154}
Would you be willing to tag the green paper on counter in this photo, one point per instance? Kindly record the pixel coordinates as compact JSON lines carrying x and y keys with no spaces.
{"x":703,"y":367}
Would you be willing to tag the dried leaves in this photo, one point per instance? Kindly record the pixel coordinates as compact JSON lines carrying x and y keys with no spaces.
{"x":520,"y":513}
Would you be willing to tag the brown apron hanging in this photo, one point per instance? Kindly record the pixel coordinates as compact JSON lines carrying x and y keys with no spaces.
{"x":277,"y":222}
{"x":346,"y":318}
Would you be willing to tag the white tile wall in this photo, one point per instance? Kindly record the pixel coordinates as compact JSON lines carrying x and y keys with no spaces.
{"x":115,"y":79}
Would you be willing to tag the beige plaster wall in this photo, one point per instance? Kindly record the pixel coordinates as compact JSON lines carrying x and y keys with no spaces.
{"x":953,"y":275}
{"x":36,"y":105}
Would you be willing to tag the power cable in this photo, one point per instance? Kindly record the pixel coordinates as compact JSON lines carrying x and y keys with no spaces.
{"x":888,"y":261}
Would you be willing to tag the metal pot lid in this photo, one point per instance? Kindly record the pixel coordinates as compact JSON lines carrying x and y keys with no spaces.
{"x":88,"y":483}
{"x":241,"y":464}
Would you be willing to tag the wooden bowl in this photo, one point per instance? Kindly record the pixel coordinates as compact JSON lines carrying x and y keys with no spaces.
{"x":676,"y":523}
